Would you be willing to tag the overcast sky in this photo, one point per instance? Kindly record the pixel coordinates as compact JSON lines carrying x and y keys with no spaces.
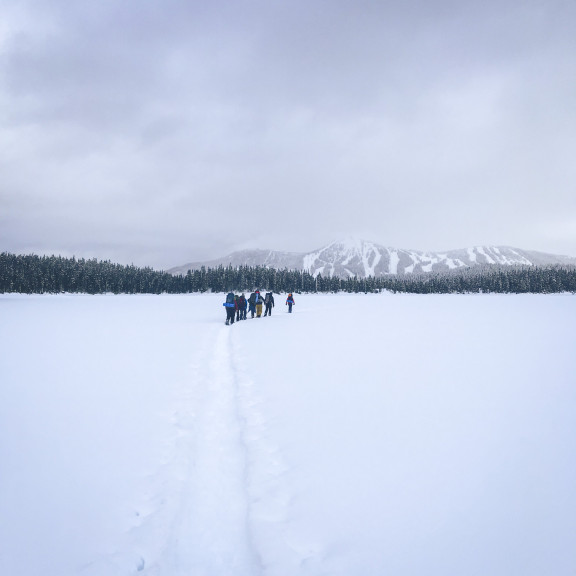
{"x":163,"y":131}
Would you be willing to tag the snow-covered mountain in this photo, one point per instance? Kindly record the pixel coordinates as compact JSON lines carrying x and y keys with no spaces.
{"x":355,"y":257}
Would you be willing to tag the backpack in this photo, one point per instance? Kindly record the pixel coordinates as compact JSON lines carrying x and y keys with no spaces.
{"x":242,"y":302}
{"x":252,"y":298}
{"x":230,"y":298}
{"x":267,"y":298}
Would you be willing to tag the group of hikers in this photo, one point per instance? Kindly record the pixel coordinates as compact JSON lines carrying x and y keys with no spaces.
{"x":238,"y":306}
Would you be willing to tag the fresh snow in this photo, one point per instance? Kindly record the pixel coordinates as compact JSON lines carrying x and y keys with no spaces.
{"x":362,"y":434}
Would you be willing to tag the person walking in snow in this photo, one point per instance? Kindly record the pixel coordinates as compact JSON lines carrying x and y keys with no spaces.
{"x":252,"y":304}
{"x":259,"y":302}
{"x":268,"y":303}
{"x":290,"y":302}
{"x":230,"y":308}
{"x":242,"y":305}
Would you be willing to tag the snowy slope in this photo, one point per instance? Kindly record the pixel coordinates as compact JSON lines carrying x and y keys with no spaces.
{"x":363,"y":434}
{"x":354,"y":257}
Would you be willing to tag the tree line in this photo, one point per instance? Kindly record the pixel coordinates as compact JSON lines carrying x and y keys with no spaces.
{"x":32,"y":274}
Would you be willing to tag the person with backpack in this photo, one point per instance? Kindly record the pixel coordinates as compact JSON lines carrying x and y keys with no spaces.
{"x":252,"y":303}
{"x":290,"y":302}
{"x":230,"y":308}
{"x":242,"y":305}
{"x":268,"y":303}
{"x":259,"y":302}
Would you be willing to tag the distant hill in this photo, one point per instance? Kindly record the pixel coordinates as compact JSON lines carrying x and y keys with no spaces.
{"x":354,"y":257}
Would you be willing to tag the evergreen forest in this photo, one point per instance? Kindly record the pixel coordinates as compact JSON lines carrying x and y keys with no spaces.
{"x":32,"y":274}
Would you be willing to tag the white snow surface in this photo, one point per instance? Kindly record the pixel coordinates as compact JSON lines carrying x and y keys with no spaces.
{"x":362,"y":434}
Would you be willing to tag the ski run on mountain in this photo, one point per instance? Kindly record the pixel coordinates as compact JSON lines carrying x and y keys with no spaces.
{"x":377,"y":434}
{"x":352,"y":256}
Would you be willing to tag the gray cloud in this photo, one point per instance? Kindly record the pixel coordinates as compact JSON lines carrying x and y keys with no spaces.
{"x":158,"y":132}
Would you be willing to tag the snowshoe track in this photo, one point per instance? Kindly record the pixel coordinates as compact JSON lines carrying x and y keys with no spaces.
{"x":216,"y":537}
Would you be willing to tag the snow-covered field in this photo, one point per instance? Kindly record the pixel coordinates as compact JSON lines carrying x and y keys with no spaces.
{"x":361,"y":435}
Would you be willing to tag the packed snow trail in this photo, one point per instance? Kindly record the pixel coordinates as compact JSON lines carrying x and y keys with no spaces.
{"x":215,"y":536}
{"x":236,"y":510}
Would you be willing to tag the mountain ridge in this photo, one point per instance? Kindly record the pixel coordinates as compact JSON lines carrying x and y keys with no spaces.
{"x":352,"y":256}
